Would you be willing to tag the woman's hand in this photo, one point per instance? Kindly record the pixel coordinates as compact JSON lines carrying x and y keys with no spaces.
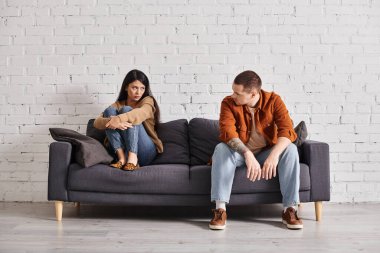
{"x":115,"y":123}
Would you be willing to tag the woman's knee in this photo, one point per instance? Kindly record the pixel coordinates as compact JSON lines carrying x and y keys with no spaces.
{"x":125,"y":109}
{"x":110,"y":111}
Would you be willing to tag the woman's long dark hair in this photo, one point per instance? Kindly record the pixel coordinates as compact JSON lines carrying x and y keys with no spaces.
{"x":132,"y":76}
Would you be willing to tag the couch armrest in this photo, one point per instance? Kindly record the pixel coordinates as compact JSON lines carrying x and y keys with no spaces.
{"x":316,"y":155}
{"x":59,"y":161}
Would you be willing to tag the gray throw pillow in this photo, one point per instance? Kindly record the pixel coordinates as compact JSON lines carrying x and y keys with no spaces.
{"x":301,"y":132}
{"x":88,"y":151}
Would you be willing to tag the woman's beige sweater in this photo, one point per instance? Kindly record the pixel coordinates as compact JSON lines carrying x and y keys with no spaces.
{"x":142,"y":113}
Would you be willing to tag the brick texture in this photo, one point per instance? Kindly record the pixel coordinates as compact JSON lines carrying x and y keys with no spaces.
{"x":62,"y":62}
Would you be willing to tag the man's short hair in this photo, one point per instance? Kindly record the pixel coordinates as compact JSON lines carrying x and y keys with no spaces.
{"x":249,"y":79}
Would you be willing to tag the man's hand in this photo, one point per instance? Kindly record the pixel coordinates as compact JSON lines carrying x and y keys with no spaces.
{"x":253,"y":166}
{"x":269,"y":167}
{"x":270,"y":164}
{"x":115,"y":123}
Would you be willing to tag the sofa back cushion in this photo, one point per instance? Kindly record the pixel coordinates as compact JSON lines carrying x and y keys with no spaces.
{"x":95,"y":133}
{"x":204,"y":136}
{"x":174,"y":137}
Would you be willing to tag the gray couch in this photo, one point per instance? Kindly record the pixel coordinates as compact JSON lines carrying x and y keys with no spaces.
{"x":178,"y":177}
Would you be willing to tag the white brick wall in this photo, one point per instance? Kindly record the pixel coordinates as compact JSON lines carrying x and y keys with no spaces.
{"x":63,"y":61}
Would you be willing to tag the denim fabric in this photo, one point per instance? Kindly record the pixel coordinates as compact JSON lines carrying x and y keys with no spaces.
{"x":225,"y":161}
{"x":133,"y":139}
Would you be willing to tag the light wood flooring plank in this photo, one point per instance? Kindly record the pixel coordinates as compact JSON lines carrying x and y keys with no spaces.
{"x":31,"y":227}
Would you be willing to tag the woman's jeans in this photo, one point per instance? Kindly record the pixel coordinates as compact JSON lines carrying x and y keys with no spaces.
{"x":225,"y":161}
{"x":134,"y":139}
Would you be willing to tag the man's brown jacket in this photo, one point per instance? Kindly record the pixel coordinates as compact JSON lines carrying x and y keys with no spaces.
{"x":271,"y":118}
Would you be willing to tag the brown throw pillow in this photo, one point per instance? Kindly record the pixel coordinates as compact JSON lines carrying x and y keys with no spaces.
{"x":88,"y":151}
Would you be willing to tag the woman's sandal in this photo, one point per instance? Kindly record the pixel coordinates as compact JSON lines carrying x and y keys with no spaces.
{"x":117,"y":165}
{"x":130,"y":166}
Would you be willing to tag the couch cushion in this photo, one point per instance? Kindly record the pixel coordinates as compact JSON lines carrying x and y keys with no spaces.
{"x":204,"y":136}
{"x":95,"y":133}
{"x":174,"y":137}
{"x":152,"y":179}
{"x":200,"y":180}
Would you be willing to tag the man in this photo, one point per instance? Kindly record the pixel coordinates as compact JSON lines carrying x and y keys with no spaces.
{"x":256,"y":132}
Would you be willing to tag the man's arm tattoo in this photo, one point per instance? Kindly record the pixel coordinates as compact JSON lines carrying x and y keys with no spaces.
{"x":237,"y":145}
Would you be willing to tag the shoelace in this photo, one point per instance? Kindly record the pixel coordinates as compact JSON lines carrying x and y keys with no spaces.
{"x":293,"y":214}
{"x":218,"y":214}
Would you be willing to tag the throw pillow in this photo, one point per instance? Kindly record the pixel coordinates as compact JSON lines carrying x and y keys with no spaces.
{"x":88,"y":151}
{"x":301,"y":132}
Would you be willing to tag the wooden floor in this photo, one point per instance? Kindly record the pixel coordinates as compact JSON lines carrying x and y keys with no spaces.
{"x":31,"y":227}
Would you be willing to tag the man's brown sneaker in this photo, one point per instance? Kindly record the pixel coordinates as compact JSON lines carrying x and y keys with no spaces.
{"x":219,"y":220}
{"x":290,"y":219}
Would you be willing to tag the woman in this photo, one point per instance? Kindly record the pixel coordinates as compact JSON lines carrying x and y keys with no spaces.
{"x":131,"y":122}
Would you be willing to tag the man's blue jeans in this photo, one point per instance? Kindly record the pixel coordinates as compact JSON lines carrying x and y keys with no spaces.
{"x":133,"y":139}
{"x":225,"y":161}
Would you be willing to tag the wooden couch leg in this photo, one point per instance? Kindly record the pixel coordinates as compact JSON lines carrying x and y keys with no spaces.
{"x":58,"y":210}
{"x":318,"y":210}
{"x":77,"y":206}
